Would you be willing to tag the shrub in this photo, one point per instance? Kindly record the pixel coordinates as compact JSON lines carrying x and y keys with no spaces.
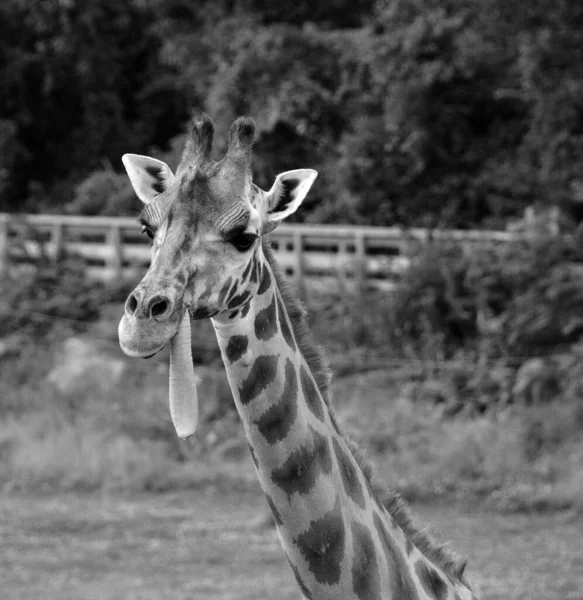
{"x":514,"y":299}
{"x":434,"y":301}
{"x":104,"y":193}
{"x":528,"y":294}
{"x":32,"y":302}
{"x":54,"y":295}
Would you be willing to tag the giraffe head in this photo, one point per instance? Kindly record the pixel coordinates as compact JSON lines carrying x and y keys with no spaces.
{"x":205,"y":222}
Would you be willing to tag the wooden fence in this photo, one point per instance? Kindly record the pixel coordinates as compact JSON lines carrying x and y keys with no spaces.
{"x":315,"y":257}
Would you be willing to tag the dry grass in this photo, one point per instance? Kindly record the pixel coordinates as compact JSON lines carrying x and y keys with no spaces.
{"x":121,"y":440}
{"x":124,"y":441}
{"x":521,"y":459}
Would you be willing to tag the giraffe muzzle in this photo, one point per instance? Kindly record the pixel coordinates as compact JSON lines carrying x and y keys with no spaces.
{"x":149,"y":322}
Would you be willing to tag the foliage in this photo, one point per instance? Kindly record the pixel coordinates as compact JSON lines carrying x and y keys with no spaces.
{"x":434,"y":299}
{"x":516,"y":299}
{"x":82,"y":81}
{"x":53,"y":297}
{"x":104,"y":192}
{"x":124,"y":441}
{"x":529,"y":294}
{"x":416,"y":112}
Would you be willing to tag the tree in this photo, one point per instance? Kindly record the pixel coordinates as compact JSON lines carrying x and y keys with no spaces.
{"x":81,"y":83}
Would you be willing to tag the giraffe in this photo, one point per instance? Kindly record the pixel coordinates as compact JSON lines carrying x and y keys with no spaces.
{"x":344,"y":535}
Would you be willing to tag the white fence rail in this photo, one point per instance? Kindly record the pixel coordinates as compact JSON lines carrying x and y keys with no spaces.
{"x":315,"y":257}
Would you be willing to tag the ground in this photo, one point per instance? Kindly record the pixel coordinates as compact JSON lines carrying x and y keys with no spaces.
{"x":212,"y":544}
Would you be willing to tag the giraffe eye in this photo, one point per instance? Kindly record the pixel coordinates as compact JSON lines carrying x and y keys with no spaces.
{"x":243,"y":241}
{"x":148,"y":232}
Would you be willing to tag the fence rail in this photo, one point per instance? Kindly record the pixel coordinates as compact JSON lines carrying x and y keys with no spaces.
{"x":315,"y":257}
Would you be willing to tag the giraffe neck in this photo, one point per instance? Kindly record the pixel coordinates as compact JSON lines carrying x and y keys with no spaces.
{"x":340,"y":541}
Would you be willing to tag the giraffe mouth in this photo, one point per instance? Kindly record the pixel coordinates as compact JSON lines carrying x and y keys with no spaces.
{"x":144,"y":354}
{"x":144,"y":338}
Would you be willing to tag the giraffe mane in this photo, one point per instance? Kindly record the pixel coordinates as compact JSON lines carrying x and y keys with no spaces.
{"x":319,"y":366}
{"x":313,"y":353}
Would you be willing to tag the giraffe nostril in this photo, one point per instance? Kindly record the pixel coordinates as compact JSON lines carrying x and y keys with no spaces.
{"x":159,"y":307}
{"x":131,"y":305}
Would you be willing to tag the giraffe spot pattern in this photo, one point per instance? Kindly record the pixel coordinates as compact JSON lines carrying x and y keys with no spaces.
{"x":236,"y":301}
{"x":352,"y":484}
{"x":266,"y":322}
{"x":247,"y":271}
{"x":299,"y":472}
{"x":284,"y":324}
{"x":311,"y":393}
{"x":203,"y":312}
{"x":276,"y":516}
{"x":265,"y":282}
{"x":301,"y":584}
{"x":366,"y":581}
{"x":431,"y":581}
{"x":245,"y":309}
{"x":177,"y":258}
{"x":181,"y":278}
{"x":236,"y":347}
{"x":224,"y":290}
{"x":322,"y":545}
{"x":232,"y":292}
{"x":275,"y":423}
{"x":255,"y":272}
{"x":402,"y":585}
{"x":260,"y":377}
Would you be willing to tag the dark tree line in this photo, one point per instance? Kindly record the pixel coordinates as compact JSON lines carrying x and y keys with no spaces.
{"x":418,"y":112}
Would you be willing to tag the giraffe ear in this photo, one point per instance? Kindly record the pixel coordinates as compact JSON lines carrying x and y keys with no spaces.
{"x":287,"y":193}
{"x":149,"y":176}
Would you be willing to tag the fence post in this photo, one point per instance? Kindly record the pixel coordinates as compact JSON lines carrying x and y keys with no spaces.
{"x":360,"y":261}
{"x":57,"y":240}
{"x":3,"y":244}
{"x":116,"y":258}
{"x":341,"y":269}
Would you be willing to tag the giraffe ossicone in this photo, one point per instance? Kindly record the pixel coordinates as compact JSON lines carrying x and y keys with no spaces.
{"x":344,"y":536}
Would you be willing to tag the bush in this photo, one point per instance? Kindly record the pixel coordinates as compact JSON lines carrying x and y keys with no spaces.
{"x":516,"y":299}
{"x":529,"y":294}
{"x":54,"y":296}
{"x":434,"y":300}
{"x":104,"y":193}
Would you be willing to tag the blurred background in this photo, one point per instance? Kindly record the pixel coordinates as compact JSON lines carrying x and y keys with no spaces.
{"x":440,"y":255}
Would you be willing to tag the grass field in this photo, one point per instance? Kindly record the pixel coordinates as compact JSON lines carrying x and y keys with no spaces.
{"x":210,"y":544}
{"x":78,"y":468}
